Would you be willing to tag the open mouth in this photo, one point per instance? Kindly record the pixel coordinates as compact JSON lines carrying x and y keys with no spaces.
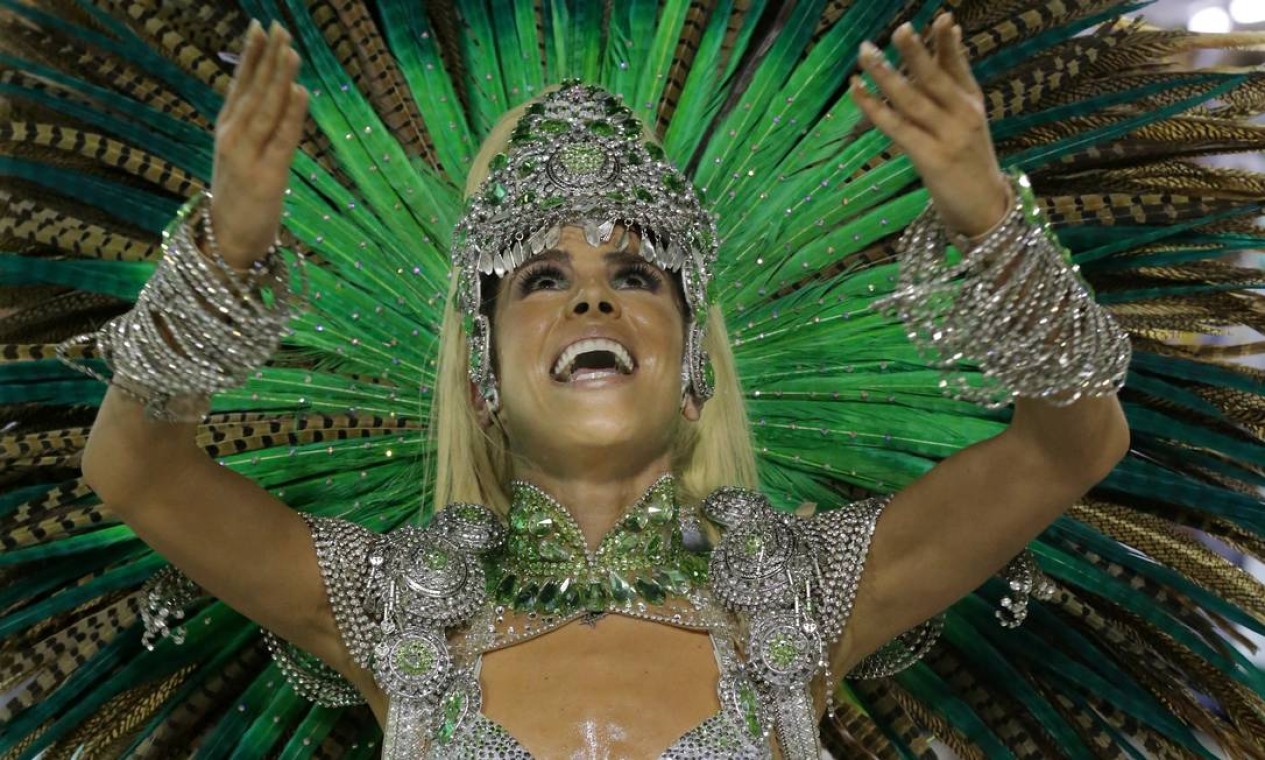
{"x":592,"y":358}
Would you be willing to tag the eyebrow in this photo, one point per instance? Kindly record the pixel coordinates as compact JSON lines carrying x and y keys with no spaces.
{"x":557,"y":254}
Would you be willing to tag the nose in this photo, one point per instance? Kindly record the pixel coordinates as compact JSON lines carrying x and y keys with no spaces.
{"x":594,"y":297}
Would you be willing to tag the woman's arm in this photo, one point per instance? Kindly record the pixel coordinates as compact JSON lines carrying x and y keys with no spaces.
{"x":949,"y":531}
{"x":227,"y":534}
{"x":223,"y":531}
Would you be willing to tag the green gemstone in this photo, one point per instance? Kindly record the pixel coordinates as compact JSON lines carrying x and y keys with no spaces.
{"x":674,"y":182}
{"x":415,"y":658}
{"x":539,"y":524}
{"x":750,"y":708}
{"x":552,"y":551}
{"x":584,"y":158}
{"x":752,"y":545}
{"x":655,"y":151}
{"x":650,"y":591}
{"x":518,"y":521}
{"x":637,"y":521}
{"x":617,"y":195}
{"x":661,"y":511}
{"x":674,"y":580}
{"x":553,"y":201}
{"x":626,"y":542}
{"x":782,"y":651}
{"x":601,"y":128}
{"x":453,"y":706}
{"x":519,"y":138}
{"x":469,"y":512}
{"x":505,"y":589}
{"x":570,"y":595}
{"x":498,"y":162}
{"x":436,"y":559}
{"x":526,"y":167}
{"x":594,"y":597}
{"x":643,"y":194}
{"x":620,"y":589}
{"x":536,"y":109}
{"x":634,"y":158}
{"x":527,"y":197}
{"x":548,"y":596}
{"x":654,"y":547}
{"x":553,"y":126}
{"x":631,"y":127}
{"x":526,"y":596}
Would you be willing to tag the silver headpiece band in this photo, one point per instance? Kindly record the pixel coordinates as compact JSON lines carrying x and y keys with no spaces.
{"x":578,"y":157}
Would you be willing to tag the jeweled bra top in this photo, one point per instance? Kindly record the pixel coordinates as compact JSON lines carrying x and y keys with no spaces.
{"x":420,"y":606}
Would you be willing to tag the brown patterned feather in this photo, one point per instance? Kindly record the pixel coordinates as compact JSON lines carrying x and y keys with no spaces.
{"x":1152,"y":742}
{"x":61,"y":657}
{"x":101,"y":150}
{"x":1156,"y":537}
{"x":883,"y":703}
{"x":924,"y":716}
{"x":175,"y":734}
{"x":696,"y":19}
{"x":353,"y":36}
{"x":46,"y":227}
{"x":850,"y":732}
{"x":108,"y":732}
{"x":1006,"y":720}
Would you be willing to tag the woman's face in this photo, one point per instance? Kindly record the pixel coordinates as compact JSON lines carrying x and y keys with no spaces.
{"x":589,"y":342}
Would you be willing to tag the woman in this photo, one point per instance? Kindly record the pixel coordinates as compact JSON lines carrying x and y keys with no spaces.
{"x":585,"y":392}
{"x":576,"y":403}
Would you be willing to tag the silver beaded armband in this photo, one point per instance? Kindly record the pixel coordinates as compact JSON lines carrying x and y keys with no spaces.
{"x":1037,"y":334}
{"x":166,"y":595}
{"x":223,"y":324}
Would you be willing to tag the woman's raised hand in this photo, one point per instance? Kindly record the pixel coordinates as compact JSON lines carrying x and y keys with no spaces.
{"x":937,"y":117}
{"x":256,"y":134}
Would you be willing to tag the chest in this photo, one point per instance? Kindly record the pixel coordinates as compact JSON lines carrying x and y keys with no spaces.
{"x":620,"y":687}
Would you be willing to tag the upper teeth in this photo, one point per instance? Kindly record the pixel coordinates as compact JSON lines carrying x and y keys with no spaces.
{"x":562,"y":368}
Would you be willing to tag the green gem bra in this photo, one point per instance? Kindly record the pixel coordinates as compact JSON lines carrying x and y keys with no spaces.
{"x":420,"y":606}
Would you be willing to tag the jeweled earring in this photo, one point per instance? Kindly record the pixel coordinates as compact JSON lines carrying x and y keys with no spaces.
{"x":698,"y":366}
{"x":491,"y":393}
{"x":480,"y":369}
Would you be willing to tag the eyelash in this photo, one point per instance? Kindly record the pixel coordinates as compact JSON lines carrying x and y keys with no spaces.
{"x":529,"y":280}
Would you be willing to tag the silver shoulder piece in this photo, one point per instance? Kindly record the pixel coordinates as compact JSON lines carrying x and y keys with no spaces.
{"x":795,"y":580}
{"x":393,"y":596}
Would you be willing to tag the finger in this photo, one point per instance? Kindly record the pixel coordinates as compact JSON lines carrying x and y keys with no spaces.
{"x":290,"y":130}
{"x":909,"y":101}
{"x":929,"y":78}
{"x":258,"y":110}
{"x":253,"y":89}
{"x":277,"y":96}
{"x":252,"y":48}
{"x":904,"y":133}
{"x":953,"y":59}
{"x":262,"y":68}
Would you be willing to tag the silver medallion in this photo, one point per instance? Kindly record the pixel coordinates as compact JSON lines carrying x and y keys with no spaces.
{"x":414,"y":665}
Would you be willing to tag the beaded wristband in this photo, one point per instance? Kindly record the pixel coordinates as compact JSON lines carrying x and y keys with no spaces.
{"x":1037,"y":333}
{"x":252,"y":275}
{"x":199,"y":326}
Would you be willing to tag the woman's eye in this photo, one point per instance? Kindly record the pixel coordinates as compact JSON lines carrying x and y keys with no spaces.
{"x":541,"y":278}
{"x":641,"y":277}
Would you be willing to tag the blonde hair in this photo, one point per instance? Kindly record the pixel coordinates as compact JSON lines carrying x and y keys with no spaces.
{"x":474,"y":464}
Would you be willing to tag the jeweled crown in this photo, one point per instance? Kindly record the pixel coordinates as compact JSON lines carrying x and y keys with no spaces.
{"x":579,"y":156}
